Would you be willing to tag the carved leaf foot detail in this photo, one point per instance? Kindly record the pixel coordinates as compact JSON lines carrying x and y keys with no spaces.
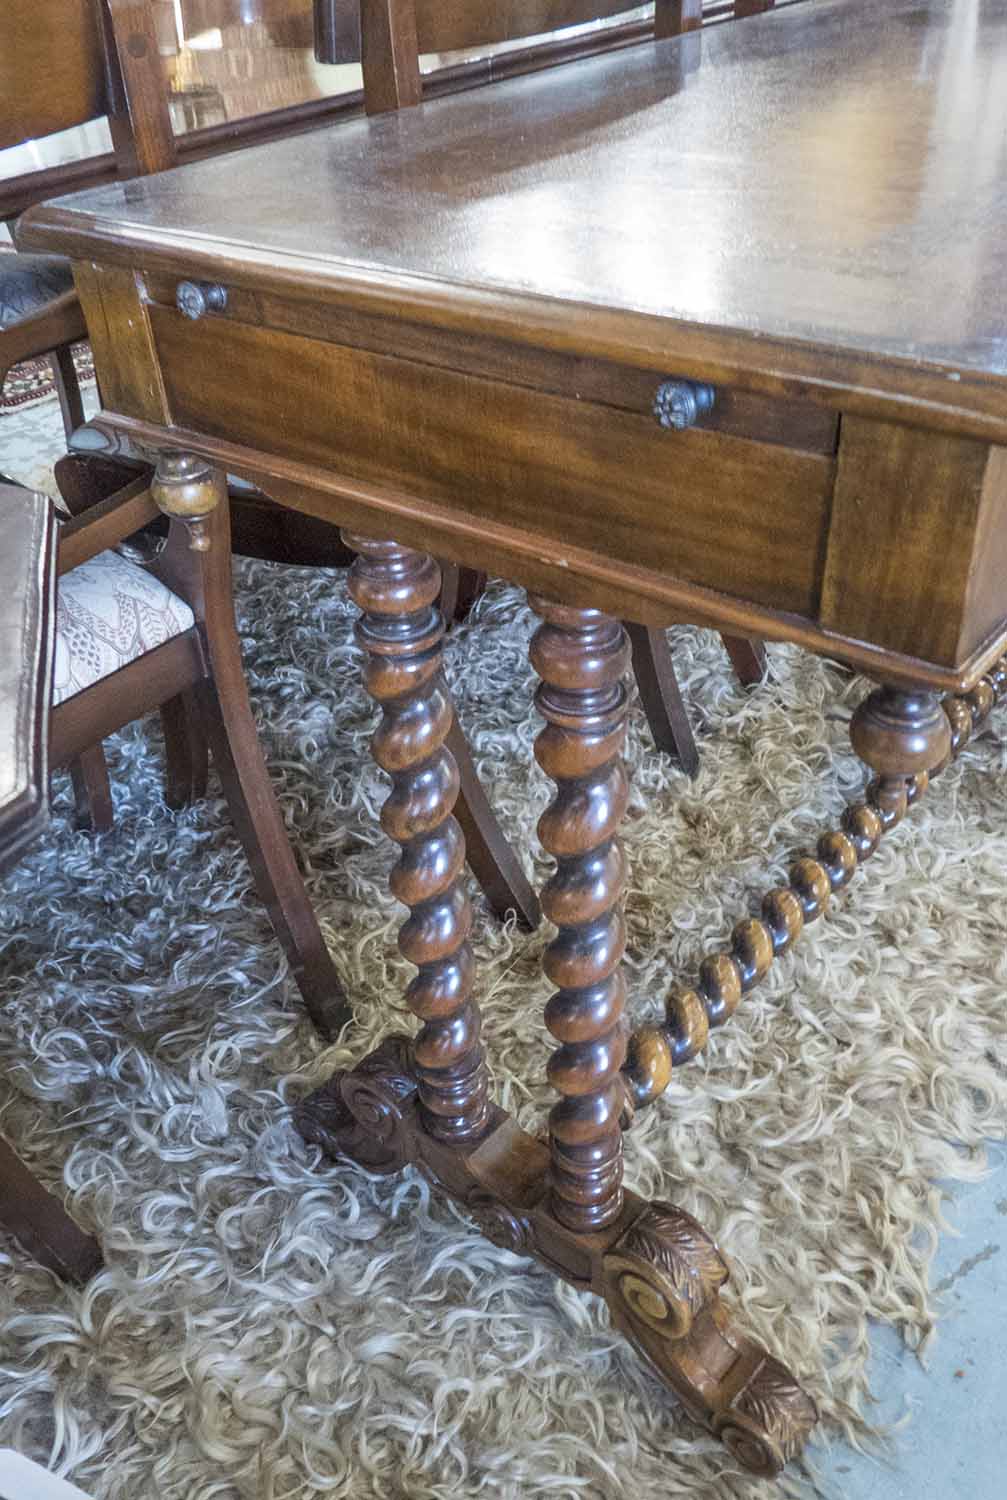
{"x":657,"y":1268}
{"x":662,"y":1281}
{"x":767,"y":1423}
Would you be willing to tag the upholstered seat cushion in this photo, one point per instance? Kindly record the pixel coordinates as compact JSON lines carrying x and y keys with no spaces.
{"x":108,"y":613}
{"x":28,"y":282}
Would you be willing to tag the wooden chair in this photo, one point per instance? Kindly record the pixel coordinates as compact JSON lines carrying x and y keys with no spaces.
{"x":27,"y":637}
{"x":388,"y":37}
{"x":64,"y":62}
{"x":393,"y":34}
{"x":58,"y":69}
{"x":130,"y":638}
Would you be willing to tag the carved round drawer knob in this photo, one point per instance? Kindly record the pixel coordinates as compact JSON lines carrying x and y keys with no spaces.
{"x":194,"y":298}
{"x":679,"y":403}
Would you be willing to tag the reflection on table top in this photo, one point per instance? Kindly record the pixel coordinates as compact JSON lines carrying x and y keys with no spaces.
{"x":228,"y":59}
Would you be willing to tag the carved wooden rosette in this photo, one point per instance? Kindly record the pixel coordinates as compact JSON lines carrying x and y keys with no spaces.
{"x":401,"y":632}
{"x":582,"y":657}
{"x":908,"y":737}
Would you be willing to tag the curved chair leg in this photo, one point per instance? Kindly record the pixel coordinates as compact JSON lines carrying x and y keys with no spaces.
{"x":92,"y":793}
{"x":234,"y":745}
{"x":661,"y":696}
{"x":42,"y":1224}
{"x":186,"y":751}
{"x":71,"y":402}
{"x":748,"y":658}
{"x":490,"y":857}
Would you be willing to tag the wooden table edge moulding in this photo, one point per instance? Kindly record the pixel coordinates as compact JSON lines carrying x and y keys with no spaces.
{"x":910,"y":466}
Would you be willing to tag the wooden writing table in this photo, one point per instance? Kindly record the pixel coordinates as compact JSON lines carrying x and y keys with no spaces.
{"x":712,"y":329}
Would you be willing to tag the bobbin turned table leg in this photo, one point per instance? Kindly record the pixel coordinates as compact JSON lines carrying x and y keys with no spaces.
{"x":582,"y":657}
{"x":426,"y":1102}
{"x":401,"y":631}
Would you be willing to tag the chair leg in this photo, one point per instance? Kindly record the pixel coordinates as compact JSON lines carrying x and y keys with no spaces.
{"x":85,"y":479}
{"x":42,"y":1224}
{"x":202,"y":568}
{"x":460,"y":588}
{"x":186,"y":751}
{"x":71,"y":402}
{"x":234,"y":745}
{"x":748,"y":658}
{"x":491,"y":858}
{"x":662,"y":697}
{"x":92,"y":793}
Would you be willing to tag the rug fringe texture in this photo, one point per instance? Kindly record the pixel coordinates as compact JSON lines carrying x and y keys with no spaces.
{"x":273,"y":1325}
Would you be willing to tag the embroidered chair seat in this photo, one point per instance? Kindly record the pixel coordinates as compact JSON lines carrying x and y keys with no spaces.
{"x":28,"y":282}
{"x":109,"y":612}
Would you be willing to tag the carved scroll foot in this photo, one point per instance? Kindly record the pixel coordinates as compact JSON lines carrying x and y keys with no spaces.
{"x":658,"y":1270}
{"x":661,"y":1281}
{"x":360,"y":1113}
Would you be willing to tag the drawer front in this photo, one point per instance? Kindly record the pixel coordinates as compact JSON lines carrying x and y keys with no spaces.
{"x":709,"y":507}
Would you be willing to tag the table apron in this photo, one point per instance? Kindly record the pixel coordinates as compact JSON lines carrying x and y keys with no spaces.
{"x":876,"y":542}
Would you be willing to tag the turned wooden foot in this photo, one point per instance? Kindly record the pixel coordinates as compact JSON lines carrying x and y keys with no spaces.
{"x":904,"y":735}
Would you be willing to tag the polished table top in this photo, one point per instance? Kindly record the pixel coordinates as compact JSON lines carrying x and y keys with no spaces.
{"x":456,"y":326}
{"x":826,"y":175}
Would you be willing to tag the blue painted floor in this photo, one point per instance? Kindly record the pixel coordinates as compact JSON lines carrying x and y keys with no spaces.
{"x":955,"y":1445}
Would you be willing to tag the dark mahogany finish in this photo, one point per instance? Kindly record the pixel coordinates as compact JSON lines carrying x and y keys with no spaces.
{"x":462,"y":348}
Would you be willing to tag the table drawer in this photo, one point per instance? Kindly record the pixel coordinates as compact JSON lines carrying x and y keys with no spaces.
{"x":739,"y":515}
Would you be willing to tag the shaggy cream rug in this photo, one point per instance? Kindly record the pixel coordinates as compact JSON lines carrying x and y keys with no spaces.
{"x":272,"y":1325}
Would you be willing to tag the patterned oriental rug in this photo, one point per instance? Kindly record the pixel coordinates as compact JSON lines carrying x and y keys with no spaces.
{"x":32,"y":381}
{"x":272,"y":1325}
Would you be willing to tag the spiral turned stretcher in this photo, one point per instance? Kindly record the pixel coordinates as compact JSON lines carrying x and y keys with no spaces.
{"x":655,"y":1050}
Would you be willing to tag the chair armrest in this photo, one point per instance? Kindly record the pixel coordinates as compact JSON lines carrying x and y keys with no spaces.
{"x":59,"y":322}
{"x":104,"y":525}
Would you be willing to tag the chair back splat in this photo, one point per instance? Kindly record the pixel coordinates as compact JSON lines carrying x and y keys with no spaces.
{"x":65,"y":62}
{"x":394,"y":34}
